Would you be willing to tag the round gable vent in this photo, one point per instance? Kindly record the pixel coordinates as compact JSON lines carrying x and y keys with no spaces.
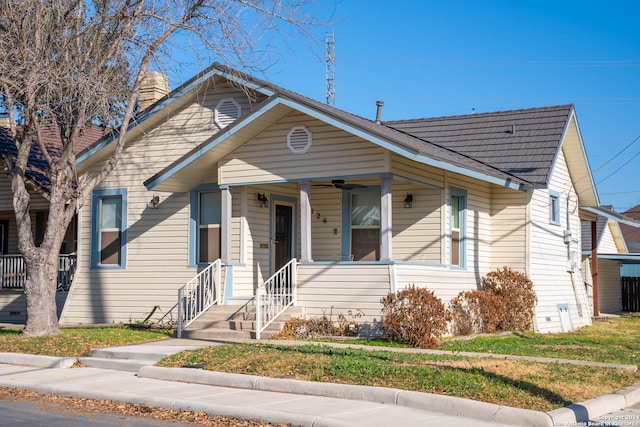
{"x":299,"y":139}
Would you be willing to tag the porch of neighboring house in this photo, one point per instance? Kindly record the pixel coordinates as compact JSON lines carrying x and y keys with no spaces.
{"x":13,"y":271}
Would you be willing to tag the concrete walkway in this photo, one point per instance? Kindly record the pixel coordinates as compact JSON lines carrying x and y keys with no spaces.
{"x":126,"y":374}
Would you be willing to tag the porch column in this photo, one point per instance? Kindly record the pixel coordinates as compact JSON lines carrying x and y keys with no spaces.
{"x":305,"y":221}
{"x":594,"y":267}
{"x":386,"y":232}
{"x":225,"y":231}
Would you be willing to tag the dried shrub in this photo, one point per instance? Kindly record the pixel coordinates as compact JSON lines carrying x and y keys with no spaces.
{"x":315,"y":327}
{"x":515,"y":289}
{"x":505,"y":303}
{"x":476,"y":312}
{"x":414,"y":316}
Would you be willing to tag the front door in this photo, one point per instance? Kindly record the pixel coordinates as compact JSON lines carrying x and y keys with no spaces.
{"x":282,"y":234}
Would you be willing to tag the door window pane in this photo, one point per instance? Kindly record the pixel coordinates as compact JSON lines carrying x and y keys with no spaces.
{"x":365,"y":209}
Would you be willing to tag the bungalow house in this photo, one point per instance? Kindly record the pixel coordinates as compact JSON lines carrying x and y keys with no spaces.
{"x":232,"y":191}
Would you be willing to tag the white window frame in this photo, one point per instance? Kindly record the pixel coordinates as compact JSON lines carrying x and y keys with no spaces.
{"x":554,"y":207}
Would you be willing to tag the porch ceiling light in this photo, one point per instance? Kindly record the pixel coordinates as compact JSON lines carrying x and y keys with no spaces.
{"x":154,"y":202}
{"x":408,"y":201}
{"x":264,"y":202}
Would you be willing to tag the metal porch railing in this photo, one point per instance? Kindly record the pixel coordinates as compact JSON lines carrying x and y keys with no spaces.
{"x":13,"y":273}
{"x":198,"y":295}
{"x":275,"y":295}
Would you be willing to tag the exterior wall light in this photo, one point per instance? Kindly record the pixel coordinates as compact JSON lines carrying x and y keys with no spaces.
{"x":408,"y":201}
{"x":154,"y":202}
{"x":264,"y":202}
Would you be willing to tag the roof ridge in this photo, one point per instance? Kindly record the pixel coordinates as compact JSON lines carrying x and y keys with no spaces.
{"x":488,"y":113}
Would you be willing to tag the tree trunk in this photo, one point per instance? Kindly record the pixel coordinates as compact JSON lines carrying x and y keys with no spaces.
{"x":40,"y":292}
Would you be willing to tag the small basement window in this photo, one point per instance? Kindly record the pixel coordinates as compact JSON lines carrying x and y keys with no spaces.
{"x":227,"y":111}
{"x":299,"y":139}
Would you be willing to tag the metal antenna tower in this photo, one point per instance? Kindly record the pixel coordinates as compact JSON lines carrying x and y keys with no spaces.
{"x":331,"y":68}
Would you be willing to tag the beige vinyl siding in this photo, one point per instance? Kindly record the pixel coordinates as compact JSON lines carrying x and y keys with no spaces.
{"x":508,"y":229}
{"x":417,"y":171}
{"x":445,"y":283}
{"x":417,"y":232}
{"x":327,"y":203}
{"x":333,"y":152}
{"x":549,"y":255}
{"x":157,"y":239}
{"x":334,"y":289}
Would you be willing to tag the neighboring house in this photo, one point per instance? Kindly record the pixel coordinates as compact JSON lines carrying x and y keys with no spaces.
{"x":331,"y":211}
{"x":610,"y":247}
{"x":632,"y":234}
{"x":12,"y":275}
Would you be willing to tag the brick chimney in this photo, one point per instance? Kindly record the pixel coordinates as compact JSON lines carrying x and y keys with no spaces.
{"x":154,"y":86}
{"x":4,"y":120}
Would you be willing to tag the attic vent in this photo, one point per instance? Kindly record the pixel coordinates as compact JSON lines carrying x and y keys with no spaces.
{"x":227,"y":111}
{"x":299,"y":139}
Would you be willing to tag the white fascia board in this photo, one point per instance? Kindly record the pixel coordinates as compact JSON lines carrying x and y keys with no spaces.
{"x":233,"y":129}
{"x":399,"y":150}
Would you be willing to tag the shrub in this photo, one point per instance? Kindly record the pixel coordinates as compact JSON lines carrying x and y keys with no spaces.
{"x":505,"y":302}
{"x":476,"y":311}
{"x":516,"y":291}
{"x":414,"y":316}
{"x":315,"y":327}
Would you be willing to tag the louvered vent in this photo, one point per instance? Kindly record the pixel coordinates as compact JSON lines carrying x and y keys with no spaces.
{"x":299,"y":139}
{"x":227,"y":111}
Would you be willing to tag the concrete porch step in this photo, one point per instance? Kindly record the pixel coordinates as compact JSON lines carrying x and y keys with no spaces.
{"x":234,"y":323}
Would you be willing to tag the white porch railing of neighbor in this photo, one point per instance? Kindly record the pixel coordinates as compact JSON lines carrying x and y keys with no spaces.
{"x":199,"y":294}
{"x":275,"y":295}
{"x":13,"y":272}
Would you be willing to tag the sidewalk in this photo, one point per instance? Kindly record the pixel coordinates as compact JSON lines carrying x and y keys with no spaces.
{"x":267,"y":399}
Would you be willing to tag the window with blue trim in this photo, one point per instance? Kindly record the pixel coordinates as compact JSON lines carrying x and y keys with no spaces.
{"x":109,"y":228}
{"x":206,"y":219}
{"x":458,"y":227}
{"x":554,"y":207}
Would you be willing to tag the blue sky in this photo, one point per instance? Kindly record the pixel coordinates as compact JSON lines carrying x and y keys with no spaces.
{"x":439,"y":58}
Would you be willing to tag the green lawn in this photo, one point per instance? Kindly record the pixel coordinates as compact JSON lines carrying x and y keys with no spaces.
{"x":75,"y":342}
{"x":615,"y":340}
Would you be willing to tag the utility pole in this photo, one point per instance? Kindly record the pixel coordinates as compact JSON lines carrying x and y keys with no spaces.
{"x":331,"y":68}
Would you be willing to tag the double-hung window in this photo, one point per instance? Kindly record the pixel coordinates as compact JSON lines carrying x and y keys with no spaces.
{"x":206,"y":221}
{"x":458,"y":205}
{"x":109,"y":219}
{"x":365,"y":226}
{"x":554,"y":207}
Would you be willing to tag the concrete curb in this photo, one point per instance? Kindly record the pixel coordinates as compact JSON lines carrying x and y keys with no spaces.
{"x":244,"y":412}
{"x":36,"y":360}
{"x":442,"y":404}
{"x":591,"y":409}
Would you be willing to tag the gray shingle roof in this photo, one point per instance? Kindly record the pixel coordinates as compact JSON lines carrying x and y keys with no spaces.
{"x":524,"y":143}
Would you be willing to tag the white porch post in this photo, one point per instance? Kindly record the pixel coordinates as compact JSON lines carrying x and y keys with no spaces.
{"x":225,"y":231}
{"x":386,"y":232}
{"x":305,"y":221}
